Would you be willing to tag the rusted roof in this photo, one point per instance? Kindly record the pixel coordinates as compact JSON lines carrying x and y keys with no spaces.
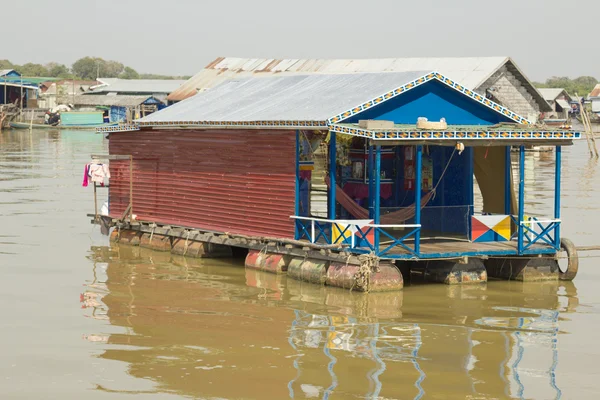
{"x":472,"y":72}
{"x":596,"y":91}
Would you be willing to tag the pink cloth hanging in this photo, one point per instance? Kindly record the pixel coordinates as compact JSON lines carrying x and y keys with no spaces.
{"x":86,"y":171}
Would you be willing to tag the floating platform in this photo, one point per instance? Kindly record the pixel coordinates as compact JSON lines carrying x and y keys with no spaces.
{"x":324,"y":265}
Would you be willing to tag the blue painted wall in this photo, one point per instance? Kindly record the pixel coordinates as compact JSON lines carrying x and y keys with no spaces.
{"x":448,"y":212}
{"x":13,"y":73}
{"x":433,"y":100}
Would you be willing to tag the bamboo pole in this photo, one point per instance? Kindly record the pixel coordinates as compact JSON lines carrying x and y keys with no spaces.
{"x":591,"y":140}
{"x":95,"y":202}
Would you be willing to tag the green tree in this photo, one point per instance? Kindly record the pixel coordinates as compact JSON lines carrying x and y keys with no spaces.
{"x":92,"y":67}
{"x":31,"y":69}
{"x":580,"y":86}
{"x":5,"y":64}
{"x":129,"y":73}
{"x":87,"y":67}
{"x":111,"y":69}
{"x":56,"y":70}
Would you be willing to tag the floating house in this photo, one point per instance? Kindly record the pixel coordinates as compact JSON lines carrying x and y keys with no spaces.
{"x":560,"y":101}
{"x":497,"y":78}
{"x":119,"y":108}
{"x":17,"y":90}
{"x":158,"y":88}
{"x":234,"y":166}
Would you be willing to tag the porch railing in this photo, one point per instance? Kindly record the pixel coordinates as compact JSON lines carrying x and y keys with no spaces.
{"x":362,"y":236}
{"x":533,"y":230}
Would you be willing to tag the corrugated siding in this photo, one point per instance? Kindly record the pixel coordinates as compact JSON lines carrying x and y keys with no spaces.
{"x":234,"y":181}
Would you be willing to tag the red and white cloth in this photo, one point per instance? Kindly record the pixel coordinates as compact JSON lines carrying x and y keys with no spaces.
{"x":95,"y":172}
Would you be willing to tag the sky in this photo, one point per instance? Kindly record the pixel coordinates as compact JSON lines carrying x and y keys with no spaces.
{"x":179,"y":37}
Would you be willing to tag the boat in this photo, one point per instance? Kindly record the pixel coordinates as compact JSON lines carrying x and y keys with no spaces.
{"x":70,"y":120}
{"x":27,"y":125}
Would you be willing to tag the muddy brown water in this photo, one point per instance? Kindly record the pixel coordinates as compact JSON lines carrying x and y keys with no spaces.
{"x":82,"y":319}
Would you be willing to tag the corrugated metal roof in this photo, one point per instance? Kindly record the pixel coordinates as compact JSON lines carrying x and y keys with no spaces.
{"x":99,"y":100}
{"x":4,"y":72}
{"x":291,"y":98}
{"x":470,"y":71}
{"x":550,"y":94}
{"x":596,"y":91}
{"x":563,"y":104}
{"x":116,"y":85}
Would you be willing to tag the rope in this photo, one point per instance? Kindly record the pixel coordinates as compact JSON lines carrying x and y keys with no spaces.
{"x":444,"y":172}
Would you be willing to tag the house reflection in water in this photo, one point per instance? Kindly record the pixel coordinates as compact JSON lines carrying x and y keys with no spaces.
{"x":213,"y":329}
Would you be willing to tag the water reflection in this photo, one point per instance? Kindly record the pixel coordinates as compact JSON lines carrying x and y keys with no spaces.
{"x":193,"y":327}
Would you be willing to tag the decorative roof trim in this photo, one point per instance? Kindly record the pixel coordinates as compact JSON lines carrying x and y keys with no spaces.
{"x":218,"y":124}
{"x":418,"y":82}
{"x":482,"y":134}
{"x":118,"y":128}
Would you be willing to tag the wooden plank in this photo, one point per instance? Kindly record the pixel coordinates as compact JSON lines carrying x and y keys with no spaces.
{"x":445,"y":247}
{"x":111,"y":157}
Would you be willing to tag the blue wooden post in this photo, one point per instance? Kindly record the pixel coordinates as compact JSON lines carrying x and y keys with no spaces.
{"x":507,"y":180}
{"x":397,"y":168}
{"x":370,"y":169}
{"x":297,"y":206}
{"x":418,"y":181}
{"x":377,"y":194}
{"x":557,"y":196}
{"x":471,"y":154}
{"x":521,"y":196}
{"x":332,"y":165}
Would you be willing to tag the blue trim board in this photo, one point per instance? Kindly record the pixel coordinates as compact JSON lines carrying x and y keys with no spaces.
{"x":457,"y":134}
{"x":332,"y":174}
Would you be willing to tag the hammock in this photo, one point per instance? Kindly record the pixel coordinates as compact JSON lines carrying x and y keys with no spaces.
{"x":393,"y":218}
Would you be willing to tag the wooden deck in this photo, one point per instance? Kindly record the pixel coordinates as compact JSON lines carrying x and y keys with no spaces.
{"x":442,"y":248}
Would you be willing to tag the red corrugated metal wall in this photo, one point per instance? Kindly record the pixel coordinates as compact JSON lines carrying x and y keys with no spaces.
{"x":236,"y":181}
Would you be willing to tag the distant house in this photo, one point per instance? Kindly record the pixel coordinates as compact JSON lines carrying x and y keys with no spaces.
{"x":497,"y":78}
{"x":54,"y":93}
{"x":119,"y":108}
{"x":158,"y":88}
{"x":17,"y":90}
{"x":9,"y":73}
{"x":594,"y":98}
{"x":559,"y":100}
